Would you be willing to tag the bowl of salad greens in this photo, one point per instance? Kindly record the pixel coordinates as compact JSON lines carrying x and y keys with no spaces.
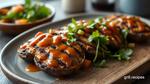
{"x":18,"y":18}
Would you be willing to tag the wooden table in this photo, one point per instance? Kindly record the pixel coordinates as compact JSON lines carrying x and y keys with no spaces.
{"x":60,"y":14}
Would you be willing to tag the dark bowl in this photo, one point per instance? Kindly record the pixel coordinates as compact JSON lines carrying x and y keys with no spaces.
{"x":12,"y":28}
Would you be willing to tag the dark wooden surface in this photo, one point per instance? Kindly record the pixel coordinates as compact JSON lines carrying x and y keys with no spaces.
{"x":60,"y":14}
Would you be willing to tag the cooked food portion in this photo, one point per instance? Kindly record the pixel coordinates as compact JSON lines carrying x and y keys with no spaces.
{"x":88,"y":31}
{"x":80,"y":43}
{"x":52,"y":54}
{"x":93,"y":34}
{"x":24,"y":14}
{"x":27,"y":51}
{"x":138,"y":30}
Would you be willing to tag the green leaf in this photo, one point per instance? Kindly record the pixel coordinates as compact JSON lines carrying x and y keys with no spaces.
{"x":97,"y":20}
{"x":91,"y":21}
{"x":104,"y":39}
{"x":97,"y":49}
{"x":100,"y":63}
{"x":27,"y":3}
{"x":92,"y":26}
{"x":36,"y":10}
{"x":13,"y":15}
{"x":80,"y":32}
{"x":104,"y":24}
{"x":123,"y":54}
{"x":97,"y":36}
{"x":125,"y":33}
{"x":31,"y":15}
{"x":70,"y":29}
{"x":74,"y":21}
{"x":42,"y":12}
{"x":94,"y":35}
{"x":1,"y":16}
{"x":71,"y":37}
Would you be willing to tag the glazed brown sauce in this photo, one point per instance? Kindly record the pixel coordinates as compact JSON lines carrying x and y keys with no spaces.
{"x":71,"y":51}
{"x":44,"y":40}
{"x":31,"y":68}
{"x":55,"y":53}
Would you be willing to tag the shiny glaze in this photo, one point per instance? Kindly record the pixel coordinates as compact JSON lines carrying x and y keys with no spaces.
{"x":31,"y":68}
{"x":113,"y":34}
{"x":51,"y":50}
{"x":134,"y":24}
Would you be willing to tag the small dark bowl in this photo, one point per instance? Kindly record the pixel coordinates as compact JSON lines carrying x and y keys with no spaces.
{"x":12,"y":28}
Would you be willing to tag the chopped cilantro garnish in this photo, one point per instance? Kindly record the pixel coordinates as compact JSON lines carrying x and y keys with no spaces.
{"x":100,"y":40}
{"x":123,"y":54}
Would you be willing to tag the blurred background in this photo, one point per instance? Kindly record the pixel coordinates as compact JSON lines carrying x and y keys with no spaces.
{"x":136,"y":7}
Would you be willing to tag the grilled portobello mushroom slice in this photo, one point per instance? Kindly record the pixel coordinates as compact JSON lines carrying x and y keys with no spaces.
{"x":27,"y":50}
{"x":58,"y":58}
{"x":52,"y":54}
{"x":59,"y":62}
{"x":26,"y":54}
{"x":138,"y":30}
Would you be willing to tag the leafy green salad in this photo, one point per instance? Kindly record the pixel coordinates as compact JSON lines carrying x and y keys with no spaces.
{"x":23,"y":14}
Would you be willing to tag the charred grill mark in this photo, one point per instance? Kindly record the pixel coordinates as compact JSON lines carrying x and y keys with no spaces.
{"x":60,"y":62}
{"x":41,"y":50}
{"x":53,"y":46}
{"x":84,"y":41}
{"x":69,"y":55}
{"x":76,"y":50}
{"x":134,"y":24}
{"x":26,"y":55}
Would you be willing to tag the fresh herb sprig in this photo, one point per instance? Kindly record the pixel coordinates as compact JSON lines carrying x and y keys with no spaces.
{"x":73,"y":29}
{"x":101,"y":41}
{"x":123,"y":54}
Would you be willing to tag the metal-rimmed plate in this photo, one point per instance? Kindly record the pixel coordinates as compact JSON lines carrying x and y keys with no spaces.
{"x":13,"y":66}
